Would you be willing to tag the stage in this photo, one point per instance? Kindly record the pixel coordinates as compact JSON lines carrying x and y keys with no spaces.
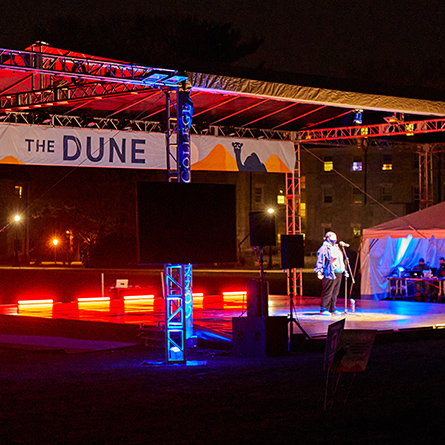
{"x":119,"y":321}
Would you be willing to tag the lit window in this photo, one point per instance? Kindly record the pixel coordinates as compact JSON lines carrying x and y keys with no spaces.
{"x":281,"y":199}
{"x":18,"y":191}
{"x":356,"y":230}
{"x":328,"y":164}
{"x":303,"y":182}
{"x":303,"y":209}
{"x":357,"y":165}
{"x":387,"y":162}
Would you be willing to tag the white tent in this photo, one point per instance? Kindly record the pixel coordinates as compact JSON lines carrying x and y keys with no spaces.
{"x":400,"y":243}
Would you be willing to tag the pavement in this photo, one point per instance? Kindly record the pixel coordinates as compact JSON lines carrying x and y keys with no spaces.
{"x":110,"y":396}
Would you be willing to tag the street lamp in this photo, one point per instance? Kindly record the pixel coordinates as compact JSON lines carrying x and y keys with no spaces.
{"x":55,"y":241}
{"x":270,"y":211}
{"x":17,"y":244}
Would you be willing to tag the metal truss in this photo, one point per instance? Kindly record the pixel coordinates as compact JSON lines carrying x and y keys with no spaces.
{"x":378,"y":143}
{"x":51,"y":96}
{"x":87,"y":69}
{"x":61,"y":120}
{"x":293,"y":223}
{"x":372,"y":131}
{"x":178,"y":286}
{"x":426,"y":197}
{"x":57,"y":78}
{"x":241,"y":132}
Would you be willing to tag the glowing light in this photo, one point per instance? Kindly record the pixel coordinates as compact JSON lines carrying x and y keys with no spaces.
{"x":270,"y":210}
{"x":358,"y":117}
{"x":86,"y":299}
{"x":139,"y":297}
{"x":17,"y":218}
{"x":234,"y":295}
{"x":35,"y":302}
{"x":55,"y":241}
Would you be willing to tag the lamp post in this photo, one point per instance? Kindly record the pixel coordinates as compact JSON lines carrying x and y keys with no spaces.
{"x":270,"y":211}
{"x":55,"y":242}
{"x":17,"y":243}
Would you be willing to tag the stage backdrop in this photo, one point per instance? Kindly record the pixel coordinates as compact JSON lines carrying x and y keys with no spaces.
{"x":400,"y":243}
{"x":63,"y":146}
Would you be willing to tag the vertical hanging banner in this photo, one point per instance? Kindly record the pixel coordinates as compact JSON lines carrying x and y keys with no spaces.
{"x":64,"y":146}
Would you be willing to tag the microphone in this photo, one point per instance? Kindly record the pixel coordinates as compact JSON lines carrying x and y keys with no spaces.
{"x":343,"y":244}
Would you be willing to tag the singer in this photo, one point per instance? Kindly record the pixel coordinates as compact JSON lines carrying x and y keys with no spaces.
{"x":330,"y":268}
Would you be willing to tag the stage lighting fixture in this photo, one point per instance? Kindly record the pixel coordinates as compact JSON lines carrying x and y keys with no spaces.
{"x":358,"y":117}
{"x":394,"y":119}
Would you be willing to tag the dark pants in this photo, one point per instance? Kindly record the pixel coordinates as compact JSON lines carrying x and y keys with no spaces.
{"x":329,"y":292}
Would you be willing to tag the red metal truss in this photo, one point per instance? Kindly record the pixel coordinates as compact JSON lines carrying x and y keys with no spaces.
{"x":379,"y":130}
{"x":92,"y":69}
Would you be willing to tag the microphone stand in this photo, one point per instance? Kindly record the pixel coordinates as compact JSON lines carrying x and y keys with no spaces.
{"x":349,"y":271}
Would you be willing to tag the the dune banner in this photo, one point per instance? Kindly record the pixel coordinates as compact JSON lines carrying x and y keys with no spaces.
{"x":63,"y":146}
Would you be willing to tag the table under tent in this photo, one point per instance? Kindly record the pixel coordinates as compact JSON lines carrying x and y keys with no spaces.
{"x":394,"y":248}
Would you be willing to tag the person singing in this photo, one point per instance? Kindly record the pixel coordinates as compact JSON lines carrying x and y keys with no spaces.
{"x":329,"y":268}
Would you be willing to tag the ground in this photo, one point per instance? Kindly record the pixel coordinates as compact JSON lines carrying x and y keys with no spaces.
{"x":112,"y":397}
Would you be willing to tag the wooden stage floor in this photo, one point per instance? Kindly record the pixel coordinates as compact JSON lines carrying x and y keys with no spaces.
{"x":216,"y":312}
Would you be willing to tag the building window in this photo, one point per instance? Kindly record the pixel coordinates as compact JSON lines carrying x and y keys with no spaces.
{"x":328,"y":195}
{"x":357,"y":165}
{"x":328,"y":164}
{"x":18,"y":189}
{"x":357,"y":196}
{"x":258,"y":195}
{"x":326,"y":227}
{"x":387,"y":162}
{"x":303,"y":209}
{"x":281,"y":199}
{"x":386,"y":192}
{"x":416,"y":195}
{"x":356,"y":230}
{"x":303,"y":182}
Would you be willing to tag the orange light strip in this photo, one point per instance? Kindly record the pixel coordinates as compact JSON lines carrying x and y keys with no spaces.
{"x":34,"y":302}
{"x":139,"y":297}
{"x":235,"y":294}
{"x":86,"y":299}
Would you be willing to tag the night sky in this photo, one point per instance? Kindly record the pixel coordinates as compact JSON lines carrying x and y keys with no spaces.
{"x":398,"y":43}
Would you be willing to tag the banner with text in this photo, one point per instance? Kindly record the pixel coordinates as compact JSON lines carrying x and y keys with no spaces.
{"x":63,"y":146}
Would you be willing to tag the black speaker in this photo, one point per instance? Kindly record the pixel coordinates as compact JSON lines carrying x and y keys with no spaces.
{"x":262,"y":229}
{"x":260,"y":336}
{"x":292,"y":252}
{"x":257,"y":306}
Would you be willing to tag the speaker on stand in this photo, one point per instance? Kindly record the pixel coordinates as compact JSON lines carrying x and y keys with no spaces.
{"x":292,"y":257}
{"x":262,"y":233}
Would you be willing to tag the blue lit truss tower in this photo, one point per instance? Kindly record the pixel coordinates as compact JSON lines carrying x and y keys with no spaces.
{"x":178,"y":277}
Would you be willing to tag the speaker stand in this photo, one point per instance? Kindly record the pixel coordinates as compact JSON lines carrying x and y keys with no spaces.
{"x":291,"y":318}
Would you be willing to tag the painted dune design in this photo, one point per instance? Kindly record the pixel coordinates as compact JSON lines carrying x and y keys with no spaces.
{"x":275,"y":165}
{"x":11,"y":160}
{"x":219,"y":159}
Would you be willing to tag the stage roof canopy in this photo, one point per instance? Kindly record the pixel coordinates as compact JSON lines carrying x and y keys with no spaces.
{"x":74,"y":84}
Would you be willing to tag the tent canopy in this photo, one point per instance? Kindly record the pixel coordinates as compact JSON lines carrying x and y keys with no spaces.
{"x":400,"y":243}
{"x":422,"y":224}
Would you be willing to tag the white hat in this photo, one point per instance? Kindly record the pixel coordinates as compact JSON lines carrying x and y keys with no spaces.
{"x":331,"y":236}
